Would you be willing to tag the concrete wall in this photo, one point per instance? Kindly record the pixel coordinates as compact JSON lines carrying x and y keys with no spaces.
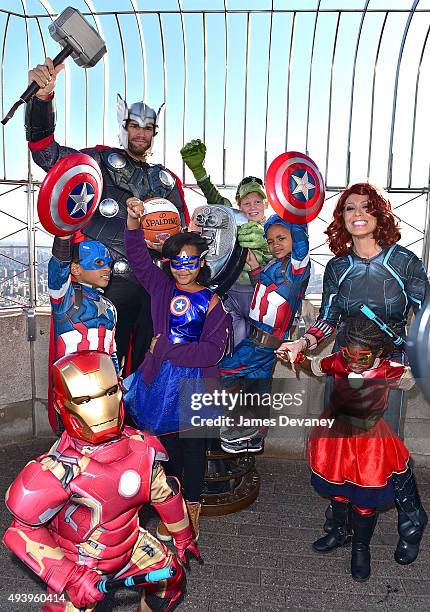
{"x":23,"y":377}
{"x":23,"y":393}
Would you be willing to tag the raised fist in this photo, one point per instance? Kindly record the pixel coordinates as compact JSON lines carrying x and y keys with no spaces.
{"x":45,"y":76}
{"x":193,"y":154}
{"x":135,"y":207}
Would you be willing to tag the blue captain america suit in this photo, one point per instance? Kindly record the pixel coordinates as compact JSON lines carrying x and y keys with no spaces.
{"x":279,"y":289}
{"x":187,"y":314}
{"x":82,"y":319}
{"x":173,"y":385}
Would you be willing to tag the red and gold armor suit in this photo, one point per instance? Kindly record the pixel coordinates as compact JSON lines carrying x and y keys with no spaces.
{"x":76,"y":507}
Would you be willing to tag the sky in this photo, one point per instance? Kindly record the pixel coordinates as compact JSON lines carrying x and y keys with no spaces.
{"x":252,"y":85}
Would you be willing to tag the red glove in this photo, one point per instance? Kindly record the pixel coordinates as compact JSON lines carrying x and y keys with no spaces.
{"x":284,"y":355}
{"x":81,"y":587}
{"x":300,"y":357}
{"x":184,"y":546}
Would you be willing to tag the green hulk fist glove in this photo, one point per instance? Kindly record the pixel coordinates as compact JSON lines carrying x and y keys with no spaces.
{"x":251,"y":236}
{"x":193,"y":154}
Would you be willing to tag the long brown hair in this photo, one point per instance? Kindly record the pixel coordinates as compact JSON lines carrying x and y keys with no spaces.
{"x":387,"y":230}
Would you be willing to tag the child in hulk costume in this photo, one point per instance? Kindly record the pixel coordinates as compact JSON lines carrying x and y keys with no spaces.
{"x":251,"y":200}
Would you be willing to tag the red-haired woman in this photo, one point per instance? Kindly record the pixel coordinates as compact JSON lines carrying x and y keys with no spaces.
{"x":371,"y":268}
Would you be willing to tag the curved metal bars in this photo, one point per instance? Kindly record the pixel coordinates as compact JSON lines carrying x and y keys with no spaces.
{"x":121,"y":40}
{"x":3,"y":51}
{"x":415,"y":184}
{"x":163,"y":50}
{"x":372,"y":105}
{"x":184,"y":99}
{"x":245,"y":102}
{"x":224,"y":123}
{"x":269,"y":60}
{"x":311,"y":62}
{"x":330,"y":98}
{"x":351,"y":104}
{"x":142,"y":48}
{"x":417,"y":84}
{"x":396,"y":85}
{"x":105,"y":60}
{"x":287,"y":117}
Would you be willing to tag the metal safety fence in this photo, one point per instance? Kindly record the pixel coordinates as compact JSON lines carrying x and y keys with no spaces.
{"x":346,"y":83}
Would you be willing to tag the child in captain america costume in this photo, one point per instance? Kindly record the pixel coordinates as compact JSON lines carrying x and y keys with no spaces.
{"x":82,"y":319}
{"x":191,"y":331}
{"x":279,"y":290}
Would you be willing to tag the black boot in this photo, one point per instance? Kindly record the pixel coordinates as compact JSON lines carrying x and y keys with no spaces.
{"x":362,"y":531}
{"x":339,"y":534}
{"x":328,"y":525}
{"x":412,"y":517}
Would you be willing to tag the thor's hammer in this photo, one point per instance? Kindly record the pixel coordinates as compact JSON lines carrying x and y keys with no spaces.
{"x":78,"y":39}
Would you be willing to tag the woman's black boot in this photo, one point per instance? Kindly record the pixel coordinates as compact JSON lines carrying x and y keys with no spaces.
{"x":412,"y":517}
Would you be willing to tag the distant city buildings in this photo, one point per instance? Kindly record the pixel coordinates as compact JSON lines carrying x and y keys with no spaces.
{"x":15,"y":276}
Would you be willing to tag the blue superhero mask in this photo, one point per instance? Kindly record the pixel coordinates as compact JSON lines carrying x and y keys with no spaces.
{"x":185,"y":263}
{"x":93,"y":255}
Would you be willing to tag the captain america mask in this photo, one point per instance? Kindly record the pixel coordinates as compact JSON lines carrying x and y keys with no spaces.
{"x":93,"y":255}
{"x":186,"y":262}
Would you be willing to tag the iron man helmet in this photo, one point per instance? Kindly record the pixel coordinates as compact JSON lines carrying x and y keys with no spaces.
{"x":88,"y":397}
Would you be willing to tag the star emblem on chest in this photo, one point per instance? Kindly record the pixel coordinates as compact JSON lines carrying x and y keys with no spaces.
{"x":102,"y":308}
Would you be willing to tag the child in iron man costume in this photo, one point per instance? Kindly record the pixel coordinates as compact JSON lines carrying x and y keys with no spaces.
{"x":76,"y":507}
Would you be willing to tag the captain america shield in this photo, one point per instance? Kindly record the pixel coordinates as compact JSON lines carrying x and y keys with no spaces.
{"x":295,"y":187}
{"x":418,"y":348}
{"x":69,"y":194}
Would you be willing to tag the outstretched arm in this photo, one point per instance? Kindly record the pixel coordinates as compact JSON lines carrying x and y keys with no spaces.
{"x":147,"y":273}
{"x":193,"y":154}
{"x":40,"y":117}
{"x":326,"y":322}
{"x":61,"y":292}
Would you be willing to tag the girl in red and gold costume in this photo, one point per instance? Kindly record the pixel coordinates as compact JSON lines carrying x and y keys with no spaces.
{"x":357,"y":460}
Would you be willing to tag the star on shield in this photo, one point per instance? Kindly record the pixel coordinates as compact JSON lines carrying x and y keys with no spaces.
{"x":81,"y":201}
{"x":303,"y":184}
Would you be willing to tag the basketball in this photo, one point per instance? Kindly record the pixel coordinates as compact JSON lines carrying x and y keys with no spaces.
{"x":161,"y":220}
